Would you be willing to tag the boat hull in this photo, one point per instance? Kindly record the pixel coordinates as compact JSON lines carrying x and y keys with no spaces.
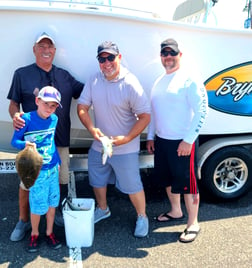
{"x":79,"y":31}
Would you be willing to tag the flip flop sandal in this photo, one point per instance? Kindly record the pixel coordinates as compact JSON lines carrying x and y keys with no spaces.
{"x":185,"y":233}
{"x":168,"y":218}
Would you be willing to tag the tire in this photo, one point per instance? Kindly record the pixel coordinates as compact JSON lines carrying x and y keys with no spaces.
{"x":227,"y":174}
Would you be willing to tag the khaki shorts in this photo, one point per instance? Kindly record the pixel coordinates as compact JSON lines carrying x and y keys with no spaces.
{"x":64,"y":167}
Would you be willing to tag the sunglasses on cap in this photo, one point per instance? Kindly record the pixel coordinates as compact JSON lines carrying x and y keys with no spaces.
{"x":109,"y":58}
{"x":165,"y":53}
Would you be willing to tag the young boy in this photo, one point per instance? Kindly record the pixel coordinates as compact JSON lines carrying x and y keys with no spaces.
{"x":39,"y":130}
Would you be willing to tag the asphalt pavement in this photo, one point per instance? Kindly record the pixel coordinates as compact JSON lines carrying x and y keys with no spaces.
{"x":225,"y":239}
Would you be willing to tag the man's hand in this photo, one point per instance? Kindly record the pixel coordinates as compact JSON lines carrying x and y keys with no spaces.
{"x":150,"y":146}
{"x":119,"y":140}
{"x":18,"y":122}
{"x":96,"y":133}
{"x":184,"y":149}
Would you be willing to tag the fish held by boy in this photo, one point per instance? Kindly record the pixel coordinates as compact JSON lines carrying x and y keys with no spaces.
{"x":28,"y":165}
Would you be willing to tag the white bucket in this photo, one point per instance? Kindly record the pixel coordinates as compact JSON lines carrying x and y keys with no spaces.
{"x":79,"y":224}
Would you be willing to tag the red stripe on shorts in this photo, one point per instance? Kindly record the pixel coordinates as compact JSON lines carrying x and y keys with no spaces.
{"x":193,"y":182}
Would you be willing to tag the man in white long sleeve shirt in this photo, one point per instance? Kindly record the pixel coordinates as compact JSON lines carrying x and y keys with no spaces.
{"x":179,"y":108}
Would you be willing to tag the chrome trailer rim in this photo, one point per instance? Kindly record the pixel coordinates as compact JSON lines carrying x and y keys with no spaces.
{"x":230,"y":175}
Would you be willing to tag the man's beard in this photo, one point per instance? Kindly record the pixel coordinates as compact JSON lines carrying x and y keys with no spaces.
{"x":169,"y":66}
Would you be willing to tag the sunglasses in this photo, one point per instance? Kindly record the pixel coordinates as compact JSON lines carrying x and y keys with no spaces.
{"x":165,"y":53}
{"x":109,"y":58}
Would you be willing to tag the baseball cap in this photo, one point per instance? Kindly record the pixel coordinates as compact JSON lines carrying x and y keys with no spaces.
{"x":49,"y":93}
{"x":43,"y":36}
{"x":171,"y":43}
{"x":108,"y":47}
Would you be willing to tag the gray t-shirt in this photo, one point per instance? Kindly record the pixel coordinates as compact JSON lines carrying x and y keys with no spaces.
{"x":115,"y":105}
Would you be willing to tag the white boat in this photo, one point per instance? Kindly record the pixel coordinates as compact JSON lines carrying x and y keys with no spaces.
{"x":222,"y":56}
{"x":79,"y":26}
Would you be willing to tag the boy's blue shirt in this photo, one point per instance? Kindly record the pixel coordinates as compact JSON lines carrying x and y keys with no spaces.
{"x":40,"y":131}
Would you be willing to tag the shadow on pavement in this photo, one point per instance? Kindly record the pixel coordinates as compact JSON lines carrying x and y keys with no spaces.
{"x":113,"y":236}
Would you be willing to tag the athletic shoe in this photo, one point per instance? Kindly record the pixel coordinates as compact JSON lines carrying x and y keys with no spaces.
{"x":142,"y":226}
{"x":20,"y":230}
{"x":101,"y":214}
{"x":33,"y":244}
{"x":52,"y":241}
{"x":59,"y":220}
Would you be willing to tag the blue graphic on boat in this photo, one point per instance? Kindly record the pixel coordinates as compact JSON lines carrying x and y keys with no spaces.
{"x":231,"y":96}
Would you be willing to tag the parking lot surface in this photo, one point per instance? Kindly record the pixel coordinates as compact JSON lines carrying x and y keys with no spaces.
{"x":225,"y":239}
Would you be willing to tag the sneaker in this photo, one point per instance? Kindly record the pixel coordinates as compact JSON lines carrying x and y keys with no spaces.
{"x":59,"y":220}
{"x":20,"y":230}
{"x":101,"y":214}
{"x":52,"y":241}
{"x":33,"y":244}
{"x":142,"y":226}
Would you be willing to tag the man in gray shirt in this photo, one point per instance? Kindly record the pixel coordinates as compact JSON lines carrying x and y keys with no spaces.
{"x":121,"y":112}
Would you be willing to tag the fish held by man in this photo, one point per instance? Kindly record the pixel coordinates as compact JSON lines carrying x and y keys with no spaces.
{"x":107,"y":148}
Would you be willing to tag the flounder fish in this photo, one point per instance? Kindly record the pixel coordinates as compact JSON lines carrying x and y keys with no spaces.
{"x":28,"y":165}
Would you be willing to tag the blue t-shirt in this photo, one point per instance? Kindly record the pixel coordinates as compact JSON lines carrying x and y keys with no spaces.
{"x":29,"y":79}
{"x":40,"y":131}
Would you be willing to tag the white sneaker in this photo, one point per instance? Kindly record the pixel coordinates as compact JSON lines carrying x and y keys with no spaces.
{"x":20,"y":230}
{"x":101,"y":214}
{"x":142,"y":226}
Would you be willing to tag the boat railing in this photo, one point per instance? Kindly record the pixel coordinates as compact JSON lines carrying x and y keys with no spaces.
{"x":75,"y":5}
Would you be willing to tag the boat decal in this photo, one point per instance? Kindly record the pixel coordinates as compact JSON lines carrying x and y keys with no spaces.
{"x":229,"y":91}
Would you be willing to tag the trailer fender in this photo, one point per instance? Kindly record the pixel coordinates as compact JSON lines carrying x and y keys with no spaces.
{"x":208,"y":148}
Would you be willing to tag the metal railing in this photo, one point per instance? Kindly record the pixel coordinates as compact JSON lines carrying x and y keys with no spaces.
{"x":81,"y":5}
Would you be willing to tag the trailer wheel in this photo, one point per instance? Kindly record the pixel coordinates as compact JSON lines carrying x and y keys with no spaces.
{"x":227,"y":174}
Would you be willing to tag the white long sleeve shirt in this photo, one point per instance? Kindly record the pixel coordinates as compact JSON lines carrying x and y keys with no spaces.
{"x":179,"y":107}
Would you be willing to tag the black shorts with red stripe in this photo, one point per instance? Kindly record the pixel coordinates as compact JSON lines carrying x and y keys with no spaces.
{"x":179,"y":172}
